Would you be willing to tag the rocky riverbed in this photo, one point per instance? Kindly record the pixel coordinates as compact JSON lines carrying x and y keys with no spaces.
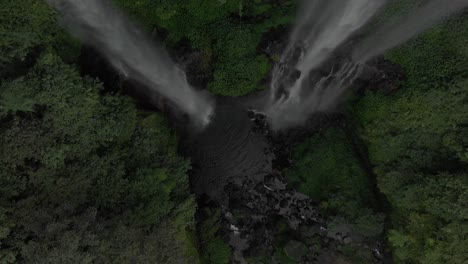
{"x":237,"y":165}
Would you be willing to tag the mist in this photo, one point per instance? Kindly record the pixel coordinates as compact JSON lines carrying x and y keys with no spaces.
{"x":99,"y":24}
{"x":399,"y":31}
{"x":321,"y":28}
{"x":324,"y":26}
{"x":322,"y":95}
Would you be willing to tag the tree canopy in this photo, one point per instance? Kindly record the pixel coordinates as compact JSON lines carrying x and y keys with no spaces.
{"x":85,"y":177}
{"x":417,"y":140}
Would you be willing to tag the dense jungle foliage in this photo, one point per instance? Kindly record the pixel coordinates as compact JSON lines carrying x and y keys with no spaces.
{"x":417,"y":142}
{"x":87,"y":177}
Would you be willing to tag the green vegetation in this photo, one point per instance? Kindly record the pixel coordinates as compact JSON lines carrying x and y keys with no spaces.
{"x":213,"y":248}
{"x":84,"y":176}
{"x":82,"y":173}
{"x":27,"y":27}
{"x":228,"y":32}
{"x":326,"y":168}
{"x":417,"y":143}
{"x":325,"y":165}
{"x":416,"y":139}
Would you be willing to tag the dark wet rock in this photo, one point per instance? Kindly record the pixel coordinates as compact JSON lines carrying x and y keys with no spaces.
{"x":94,"y":64}
{"x":237,"y":162}
{"x":347,"y":240}
{"x":233,"y":166}
{"x":274,"y":42}
{"x":331,"y":258}
{"x":295,"y":250}
{"x":382,"y":75}
{"x":199,"y":73}
{"x":196,"y":64}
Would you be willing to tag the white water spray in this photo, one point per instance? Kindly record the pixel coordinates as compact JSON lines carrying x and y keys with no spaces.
{"x":99,"y":24}
{"x":321,"y":96}
{"x":322,"y":27}
{"x":395,"y":33}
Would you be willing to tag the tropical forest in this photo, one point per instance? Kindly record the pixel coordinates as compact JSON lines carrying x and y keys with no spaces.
{"x":234,"y":131}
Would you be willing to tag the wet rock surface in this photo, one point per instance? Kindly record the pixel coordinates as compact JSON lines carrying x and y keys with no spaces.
{"x":196,"y":66}
{"x":385,"y":76}
{"x":237,"y":163}
{"x":296,"y":250}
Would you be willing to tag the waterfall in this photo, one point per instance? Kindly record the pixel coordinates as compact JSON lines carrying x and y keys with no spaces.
{"x":321,"y":27}
{"x":324,"y":26}
{"x":321,"y":96}
{"x":399,"y":31}
{"x":100,"y":25}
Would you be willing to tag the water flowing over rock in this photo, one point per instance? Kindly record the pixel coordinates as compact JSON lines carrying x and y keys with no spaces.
{"x":309,"y":78}
{"x":98,"y":24}
{"x":322,"y":27}
{"x":321,"y":96}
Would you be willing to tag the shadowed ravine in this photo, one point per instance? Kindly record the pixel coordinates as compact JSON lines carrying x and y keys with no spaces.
{"x":233,"y":156}
{"x":237,"y":163}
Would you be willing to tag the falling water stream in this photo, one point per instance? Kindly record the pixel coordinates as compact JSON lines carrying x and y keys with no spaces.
{"x":396,"y":32}
{"x":100,"y":25}
{"x":324,"y":26}
{"x":297,"y":89}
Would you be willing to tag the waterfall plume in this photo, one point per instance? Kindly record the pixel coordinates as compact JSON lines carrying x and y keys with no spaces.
{"x":298,"y":89}
{"x":99,"y":24}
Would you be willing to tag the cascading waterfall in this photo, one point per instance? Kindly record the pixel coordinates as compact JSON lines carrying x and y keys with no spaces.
{"x":321,"y":95}
{"x":297,"y":90}
{"x":322,"y":27}
{"x":399,"y":31}
{"x":99,"y":24}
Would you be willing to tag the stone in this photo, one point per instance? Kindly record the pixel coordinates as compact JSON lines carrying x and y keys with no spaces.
{"x":295,"y":250}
